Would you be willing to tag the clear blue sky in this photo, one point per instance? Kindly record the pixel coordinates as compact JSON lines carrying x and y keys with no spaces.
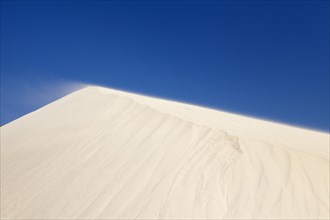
{"x":266,"y":59}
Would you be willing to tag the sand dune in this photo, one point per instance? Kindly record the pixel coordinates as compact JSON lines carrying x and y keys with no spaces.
{"x":104,"y":154}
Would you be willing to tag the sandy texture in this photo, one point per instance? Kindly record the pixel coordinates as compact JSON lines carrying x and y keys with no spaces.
{"x":104,"y":154}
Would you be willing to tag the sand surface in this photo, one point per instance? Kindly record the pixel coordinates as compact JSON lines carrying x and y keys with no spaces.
{"x":99,"y":153}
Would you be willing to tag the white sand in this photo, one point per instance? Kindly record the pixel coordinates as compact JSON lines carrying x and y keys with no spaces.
{"x":103,"y":154}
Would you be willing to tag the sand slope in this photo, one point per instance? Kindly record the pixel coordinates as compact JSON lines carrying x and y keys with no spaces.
{"x":104,"y":154}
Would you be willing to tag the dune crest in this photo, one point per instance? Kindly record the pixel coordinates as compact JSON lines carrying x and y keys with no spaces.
{"x":100,"y":153}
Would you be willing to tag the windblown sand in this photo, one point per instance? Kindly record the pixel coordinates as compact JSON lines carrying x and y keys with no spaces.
{"x":104,"y":154}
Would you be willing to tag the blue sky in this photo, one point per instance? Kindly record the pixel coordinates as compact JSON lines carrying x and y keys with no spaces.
{"x":266,"y":59}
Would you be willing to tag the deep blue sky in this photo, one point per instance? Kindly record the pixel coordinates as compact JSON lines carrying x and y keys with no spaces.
{"x":266,"y":59}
